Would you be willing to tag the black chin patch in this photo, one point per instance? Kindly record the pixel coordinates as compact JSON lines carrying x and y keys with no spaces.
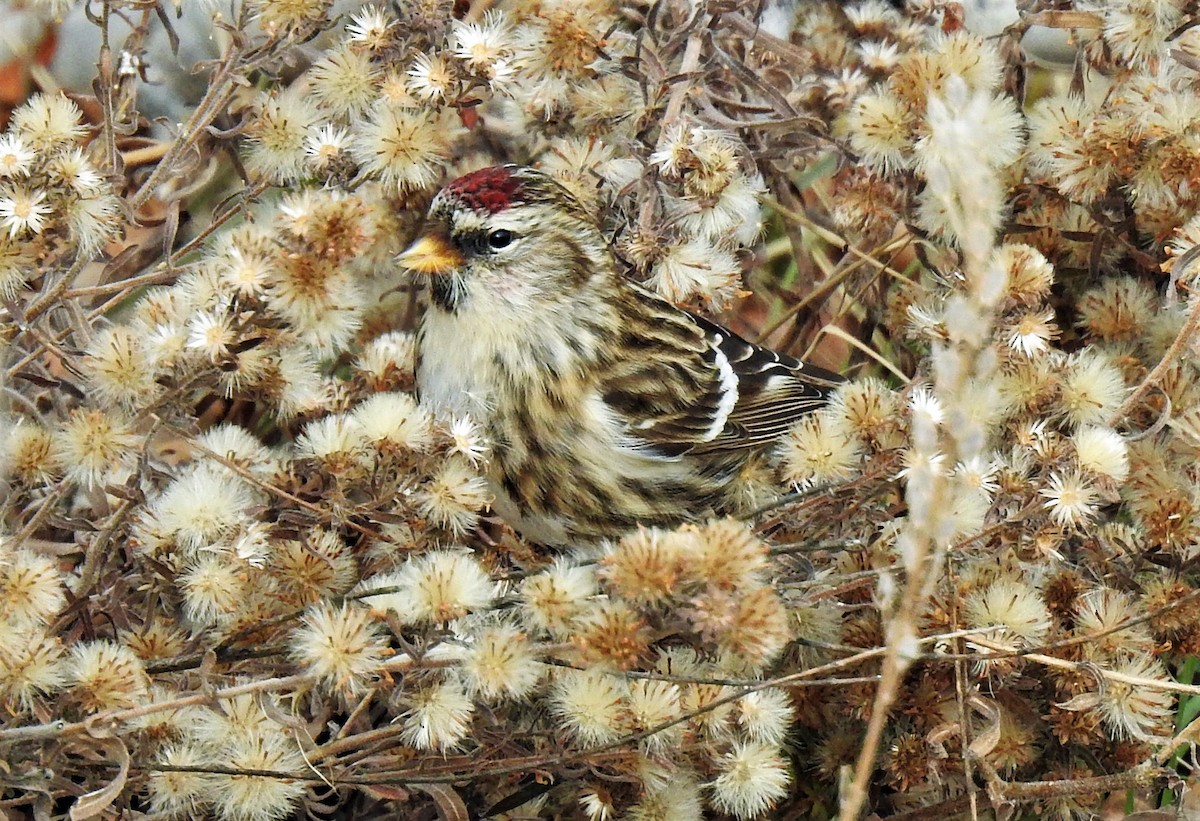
{"x":447,"y":292}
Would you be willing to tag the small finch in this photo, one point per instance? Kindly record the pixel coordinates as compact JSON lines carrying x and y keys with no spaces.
{"x":607,"y":407}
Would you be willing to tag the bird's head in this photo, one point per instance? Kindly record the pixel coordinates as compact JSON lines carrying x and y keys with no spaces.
{"x":508,"y":235}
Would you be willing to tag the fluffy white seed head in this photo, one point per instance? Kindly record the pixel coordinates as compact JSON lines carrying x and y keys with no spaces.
{"x":1092,"y":389}
{"x":1070,"y":499}
{"x":1142,"y":710}
{"x":753,"y":777}
{"x":104,"y":675}
{"x":31,"y":667}
{"x":819,"y":449}
{"x":438,"y":716}
{"x":48,"y":121}
{"x":454,"y":496}
{"x":343,"y":646}
{"x":395,"y":420}
{"x":553,"y":599}
{"x":500,"y":663}
{"x":203,"y":505}
{"x":1102,"y":452}
{"x":181,"y":794}
{"x":765,"y":716}
{"x":31,"y":588}
{"x":260,"y":797}
{"x":591,"y":705}
{"x":437,"y":587}
{"x":1015,"y":609}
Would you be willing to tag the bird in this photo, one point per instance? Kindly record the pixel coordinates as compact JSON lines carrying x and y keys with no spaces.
{"x":607,"y":407}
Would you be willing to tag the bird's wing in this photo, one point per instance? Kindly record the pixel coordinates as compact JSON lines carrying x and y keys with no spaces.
{"x":773,"y":389}
{"x":695,"y":387}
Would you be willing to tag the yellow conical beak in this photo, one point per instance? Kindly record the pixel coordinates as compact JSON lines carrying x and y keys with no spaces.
{"x":431,"y":254}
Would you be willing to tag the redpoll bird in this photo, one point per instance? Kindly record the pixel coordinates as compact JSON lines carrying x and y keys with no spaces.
{"x":607,"y":407}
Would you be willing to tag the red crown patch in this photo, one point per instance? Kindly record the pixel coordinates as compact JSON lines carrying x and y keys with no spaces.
{"x":488,"y":189}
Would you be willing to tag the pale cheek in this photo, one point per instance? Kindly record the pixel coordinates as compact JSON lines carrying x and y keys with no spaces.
{"x":512,"y":292}
{"x":515,"y":294}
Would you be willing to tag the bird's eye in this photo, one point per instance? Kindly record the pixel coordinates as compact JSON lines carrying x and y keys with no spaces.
{"x":500,"y":238}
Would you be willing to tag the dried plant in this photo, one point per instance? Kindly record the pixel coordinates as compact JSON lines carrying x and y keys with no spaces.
{"x":245,"y":574}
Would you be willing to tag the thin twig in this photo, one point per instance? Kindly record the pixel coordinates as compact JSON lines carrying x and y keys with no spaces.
{"x":1185,"y":337}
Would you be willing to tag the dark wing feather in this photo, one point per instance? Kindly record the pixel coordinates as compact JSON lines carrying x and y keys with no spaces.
{"x":699,"y":388}
{"x":774,"y":390}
